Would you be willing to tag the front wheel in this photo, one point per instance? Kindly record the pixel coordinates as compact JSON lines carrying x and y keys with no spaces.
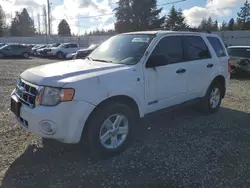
{"x":26,"y":55}
{"x":212,"y":101}
{"x":111,"y":129}
{"x":60,"y":55}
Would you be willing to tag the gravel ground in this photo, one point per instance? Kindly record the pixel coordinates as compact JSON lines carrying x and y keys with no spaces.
{"x":182,"y":148}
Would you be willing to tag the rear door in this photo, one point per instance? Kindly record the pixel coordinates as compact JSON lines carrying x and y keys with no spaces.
{"x":16,"y":50}
{"x":73,"y":48}
{"x":200,"y":65}
{"x":67,"y":49}
{"x":23,"y":49}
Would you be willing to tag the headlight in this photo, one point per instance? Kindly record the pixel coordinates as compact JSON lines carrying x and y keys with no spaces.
{"x":49,"y":96}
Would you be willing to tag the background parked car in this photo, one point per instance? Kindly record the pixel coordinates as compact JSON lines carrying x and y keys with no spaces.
{"x":39,"y":51}
{"x":82,"y":53}
{"x":2,"y":44}
{"x":45,"y":50}
{"x":14,"y":50}
{"x":62,"y":50}
{"x":239,"y":58}
{"x":35,"y":48}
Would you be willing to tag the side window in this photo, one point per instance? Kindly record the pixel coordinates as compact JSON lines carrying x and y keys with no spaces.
{"x":14,"y":47}
{"x":8,"y":47}
{"x":196,"y":48}
{"x":170,"y":47}
{"x":67,"y":46}
{"x":21,"y":46}
{"x":217,"y":46}
{"x":73,"y":45}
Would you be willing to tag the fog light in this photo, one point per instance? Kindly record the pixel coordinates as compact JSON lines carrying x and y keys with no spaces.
{"x":48,"y":127}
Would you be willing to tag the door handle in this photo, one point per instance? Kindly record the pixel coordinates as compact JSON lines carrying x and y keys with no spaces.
{"x":179,"y":71}
{"x":210,"y":65}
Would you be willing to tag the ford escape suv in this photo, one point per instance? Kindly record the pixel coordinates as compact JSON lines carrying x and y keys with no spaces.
{"x":100,"y":98}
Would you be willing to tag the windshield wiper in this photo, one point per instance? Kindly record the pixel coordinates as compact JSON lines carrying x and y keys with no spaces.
{"x":102,"y":60}
{"x":89,"y":58}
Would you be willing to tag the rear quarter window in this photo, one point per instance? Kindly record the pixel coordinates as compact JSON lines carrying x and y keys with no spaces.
{"x":217,"y":46}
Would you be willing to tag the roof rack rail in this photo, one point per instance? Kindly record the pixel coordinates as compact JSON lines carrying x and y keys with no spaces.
{"x":180,"y":29}
{"x":192,"y":30}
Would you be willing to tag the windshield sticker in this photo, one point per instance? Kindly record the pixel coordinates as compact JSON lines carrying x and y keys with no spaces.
{"x":140,"y":40}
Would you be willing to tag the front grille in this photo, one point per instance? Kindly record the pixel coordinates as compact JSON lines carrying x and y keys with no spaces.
{"x":27,"y":92}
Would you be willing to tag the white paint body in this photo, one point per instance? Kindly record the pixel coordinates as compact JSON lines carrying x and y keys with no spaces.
{"x":65,"y":51}
{"x":94,"y":82}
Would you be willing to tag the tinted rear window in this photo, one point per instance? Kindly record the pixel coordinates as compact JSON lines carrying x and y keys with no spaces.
{"x":217,"y":46}
{"x":239,"y":52}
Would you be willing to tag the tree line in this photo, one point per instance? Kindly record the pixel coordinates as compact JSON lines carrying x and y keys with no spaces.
{"x":131,"y":15}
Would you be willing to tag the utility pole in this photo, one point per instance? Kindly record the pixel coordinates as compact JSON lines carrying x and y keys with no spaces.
{"x":49,"y":29}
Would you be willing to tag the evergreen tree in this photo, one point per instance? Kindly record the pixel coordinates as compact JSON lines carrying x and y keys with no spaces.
{"x":63,"y":28}
{"x":223,"y":26}
{"x":243,"y":17}
{"x":2,"y":22}
{"x":133,"y":15}
{"x":231,"y":24}
{"x":175,"y":19}
{"x":22,"y":24}
{"x":215,"y":26}
{"x":208,"y":24}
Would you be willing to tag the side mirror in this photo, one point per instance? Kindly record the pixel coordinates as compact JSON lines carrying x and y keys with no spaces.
{"x":156,"y":61}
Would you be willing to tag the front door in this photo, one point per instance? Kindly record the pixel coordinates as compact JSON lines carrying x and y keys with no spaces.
{"x":166,"y":85}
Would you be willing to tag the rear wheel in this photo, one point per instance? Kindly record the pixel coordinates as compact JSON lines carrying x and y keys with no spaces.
{"x":212,"y":101}
{"x":111,"y":129}
{"x":26,"y":55}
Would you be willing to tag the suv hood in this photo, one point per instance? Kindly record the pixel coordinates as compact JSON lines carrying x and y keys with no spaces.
{"x":62,"y":73}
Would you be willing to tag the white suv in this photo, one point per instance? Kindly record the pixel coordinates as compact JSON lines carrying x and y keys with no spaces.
{"x":100,"y":98}
{"x":62,"y":50}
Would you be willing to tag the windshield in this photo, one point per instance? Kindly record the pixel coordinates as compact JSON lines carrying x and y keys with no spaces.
{"x":91,"y":47}
{"x":123,"y":49}
{"x":56,"y":45}
{"x":1,"y":47}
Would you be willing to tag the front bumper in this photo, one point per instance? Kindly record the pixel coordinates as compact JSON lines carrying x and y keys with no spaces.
{"x":66,"y":119}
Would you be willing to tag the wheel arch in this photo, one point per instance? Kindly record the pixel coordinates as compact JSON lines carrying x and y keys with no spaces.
{"x":221,"y":79}
{"x":122,"y":99}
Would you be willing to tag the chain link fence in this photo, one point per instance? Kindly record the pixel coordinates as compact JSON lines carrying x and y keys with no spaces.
{"x":83,"y":41}
{"x":229,"y":37}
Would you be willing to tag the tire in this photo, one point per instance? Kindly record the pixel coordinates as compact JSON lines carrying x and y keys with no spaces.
{"x":60,"y":55}
{"x":26,"y":55}
{"x":96,"y":129}
{"x":207,"y":106}
{"x":2,"y":55}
